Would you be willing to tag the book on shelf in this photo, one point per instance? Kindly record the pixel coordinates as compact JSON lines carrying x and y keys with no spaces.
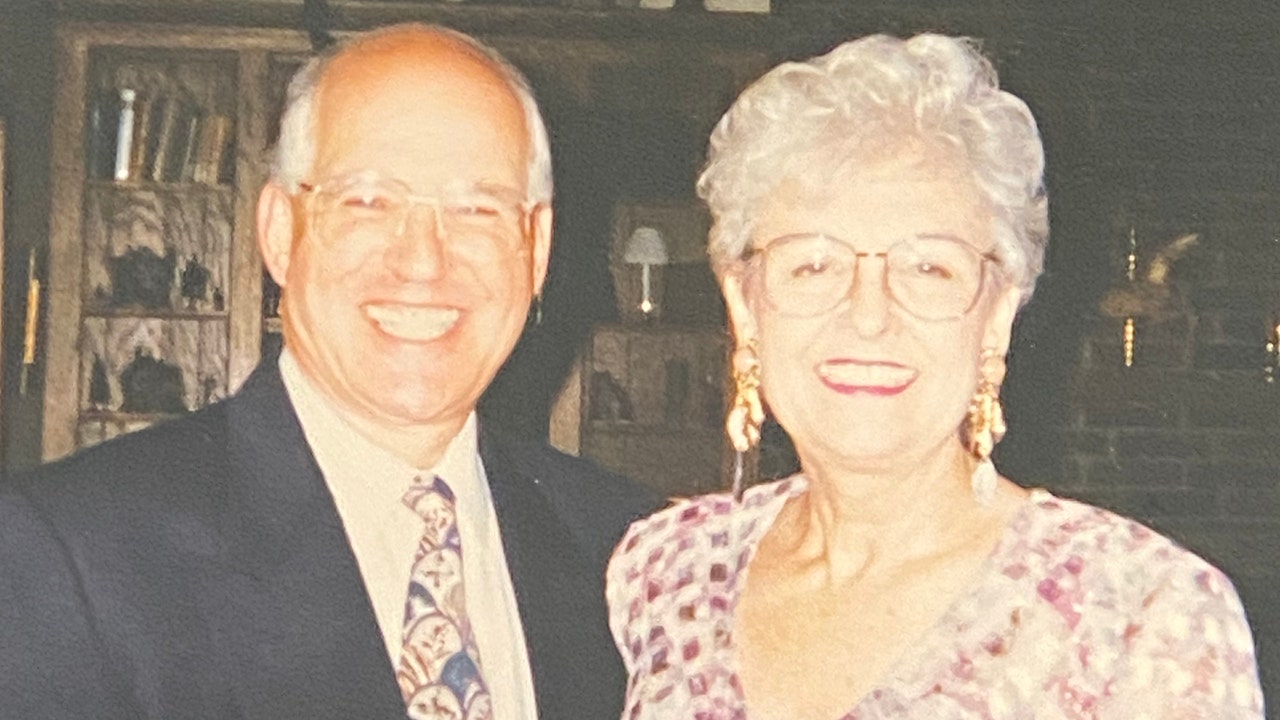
{"x":190,"y":139}
{"x":144,"y":118}
{"x":159,"y":138}
{"x":161,"y":164}
{"x":104,"y":119}
{"x":213,"y":147}
{"x":226,"y":168}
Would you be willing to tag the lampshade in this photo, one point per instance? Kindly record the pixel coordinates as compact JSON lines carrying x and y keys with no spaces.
{"x":645,"y":247}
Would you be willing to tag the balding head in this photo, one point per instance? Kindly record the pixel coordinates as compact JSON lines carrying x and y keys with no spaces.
{"x":366,"y":59}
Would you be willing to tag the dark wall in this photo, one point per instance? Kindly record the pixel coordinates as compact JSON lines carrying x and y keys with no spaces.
{"x":26,"y":102}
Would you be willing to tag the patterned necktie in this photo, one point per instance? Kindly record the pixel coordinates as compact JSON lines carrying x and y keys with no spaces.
{"x":439,"y":669}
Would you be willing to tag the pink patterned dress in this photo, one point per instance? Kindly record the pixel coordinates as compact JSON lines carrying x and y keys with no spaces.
{"x":1078,"y":613}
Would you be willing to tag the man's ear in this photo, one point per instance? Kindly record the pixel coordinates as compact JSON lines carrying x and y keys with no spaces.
{"x":276,"y":230}
{"x":540,"y":227}
{"x":741,"y":317}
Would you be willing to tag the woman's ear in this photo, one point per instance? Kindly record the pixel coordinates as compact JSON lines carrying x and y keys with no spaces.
{"x":741,"y":317}
{"x":999,"y":330}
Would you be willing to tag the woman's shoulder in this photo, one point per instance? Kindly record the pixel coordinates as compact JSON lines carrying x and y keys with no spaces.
{"x":683,"y":563}
{"x":1067,"y":542}
{"x":708,"y":524}
{"x":1126,"y":590}
{"x":708,"y":515}
{"x":1063,"y":525}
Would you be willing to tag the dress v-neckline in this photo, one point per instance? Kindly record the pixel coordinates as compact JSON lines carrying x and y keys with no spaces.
{"x":792,"y":487}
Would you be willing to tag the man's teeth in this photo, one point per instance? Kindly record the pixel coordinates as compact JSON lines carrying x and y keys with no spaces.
{"x":413,"y":323}
{"x":866,"y":375}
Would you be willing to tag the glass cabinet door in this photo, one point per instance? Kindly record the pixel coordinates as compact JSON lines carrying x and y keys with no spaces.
{"x":156,"y":232}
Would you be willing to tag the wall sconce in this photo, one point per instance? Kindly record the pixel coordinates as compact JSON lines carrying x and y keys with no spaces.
{"x":1130,"y":273}
{"x":1149,"y":296}
{"x":646,"y":248}
{"x":1271,"y":366}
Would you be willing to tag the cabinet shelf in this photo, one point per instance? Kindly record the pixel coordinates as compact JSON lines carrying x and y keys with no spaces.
{"x":193,"y":188}
{"x":115,"y":416}
{"x":148,"y":314}
{"x":613,"y":427}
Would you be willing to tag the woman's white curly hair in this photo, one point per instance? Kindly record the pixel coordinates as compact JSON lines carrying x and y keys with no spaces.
{"x":806,"y":121}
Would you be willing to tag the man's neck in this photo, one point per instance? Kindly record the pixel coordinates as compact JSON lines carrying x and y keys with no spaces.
{"x":421,"y":446}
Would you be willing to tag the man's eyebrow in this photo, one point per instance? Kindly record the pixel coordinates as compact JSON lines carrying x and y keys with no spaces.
{"x":483,"y":185}
{"x":504,"y":191}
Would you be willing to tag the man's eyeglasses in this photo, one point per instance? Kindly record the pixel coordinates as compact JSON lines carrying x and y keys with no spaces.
{"x":374,"y":207}
{"x":933,"y":278}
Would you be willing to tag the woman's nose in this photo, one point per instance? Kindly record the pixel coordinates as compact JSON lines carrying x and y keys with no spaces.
{"x":868,"y":304}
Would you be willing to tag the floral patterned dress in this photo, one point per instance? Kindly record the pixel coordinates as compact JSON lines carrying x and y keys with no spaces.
{"x":1078,"y":613}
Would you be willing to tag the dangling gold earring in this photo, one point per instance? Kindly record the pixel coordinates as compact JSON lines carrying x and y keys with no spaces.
{"x":747,"y":413}
{"x":985,"y":425}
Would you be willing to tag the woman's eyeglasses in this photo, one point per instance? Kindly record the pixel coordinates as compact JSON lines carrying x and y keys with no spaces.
{"x":933,"y":278}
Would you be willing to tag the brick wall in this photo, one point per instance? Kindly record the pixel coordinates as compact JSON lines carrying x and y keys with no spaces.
{"x":1187,"y":437}
{"x":1184,"y":138}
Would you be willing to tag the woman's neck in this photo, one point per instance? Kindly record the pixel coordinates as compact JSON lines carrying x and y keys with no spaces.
{"x":852,"y":521}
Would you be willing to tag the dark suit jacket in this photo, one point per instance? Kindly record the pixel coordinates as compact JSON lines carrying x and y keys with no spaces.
{"x":199,"y":569}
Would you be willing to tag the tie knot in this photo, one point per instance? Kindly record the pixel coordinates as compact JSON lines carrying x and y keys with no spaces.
{"x":423,"y":486}
{"x":433,"y":500}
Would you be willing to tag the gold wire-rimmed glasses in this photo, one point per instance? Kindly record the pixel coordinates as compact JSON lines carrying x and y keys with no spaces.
{"x":931,"y":277}
{"x":370,"y":206}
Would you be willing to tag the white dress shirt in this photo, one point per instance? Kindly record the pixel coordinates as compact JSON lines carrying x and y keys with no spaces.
{"x":368,"y":484}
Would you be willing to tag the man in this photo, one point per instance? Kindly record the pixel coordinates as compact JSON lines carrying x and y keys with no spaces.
{"x":339,"y":540}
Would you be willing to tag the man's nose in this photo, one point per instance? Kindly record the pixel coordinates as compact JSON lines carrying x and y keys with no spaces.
{"x":417,"y":252}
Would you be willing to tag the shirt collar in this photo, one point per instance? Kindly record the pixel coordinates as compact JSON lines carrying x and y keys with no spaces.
{"x":342,"y":452}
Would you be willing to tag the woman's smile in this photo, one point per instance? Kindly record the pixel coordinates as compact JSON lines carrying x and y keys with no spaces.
{"x":850,"y":376}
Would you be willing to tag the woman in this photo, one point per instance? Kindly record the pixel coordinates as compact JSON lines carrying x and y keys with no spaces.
{"x":879,"y":218}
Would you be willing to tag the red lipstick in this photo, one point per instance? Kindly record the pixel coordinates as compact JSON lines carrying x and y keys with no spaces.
{"x":876,"y":378}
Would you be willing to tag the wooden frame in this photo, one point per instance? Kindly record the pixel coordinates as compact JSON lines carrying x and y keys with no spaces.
{"x":75,"y":41}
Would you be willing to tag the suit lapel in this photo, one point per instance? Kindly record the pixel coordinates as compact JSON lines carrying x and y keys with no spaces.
{"x":559,"y":594}
{"x":292,"y":616}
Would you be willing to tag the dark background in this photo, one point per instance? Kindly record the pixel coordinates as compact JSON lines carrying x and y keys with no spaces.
{"x":1160,"y":117}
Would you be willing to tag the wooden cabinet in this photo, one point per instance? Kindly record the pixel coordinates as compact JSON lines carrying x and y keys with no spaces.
{"x":157,"y":301}
{"x":160,"y":144}
{"x":649,"y":402}
{"x":647,"y":396}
